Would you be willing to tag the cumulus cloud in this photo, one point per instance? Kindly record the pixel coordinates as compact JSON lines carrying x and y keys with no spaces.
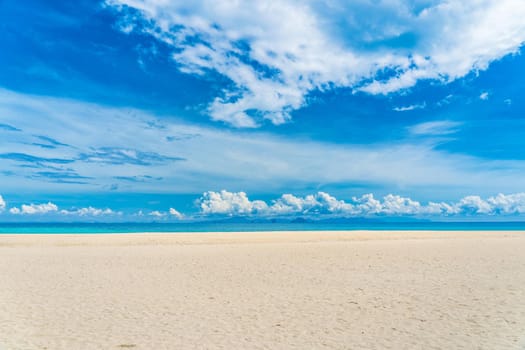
{"x":31,"y":209}
{"x":275,"y":53}
{"x":473,"y":205}
{"x":2,"y":204}
{"x":397,"y":205}
{"x":321,"y":203}
{"x":171,"y":213}
{"x":51,"y":208}
{"x":229,"y":203}
{"x":484,"y":96}
{"x":507,"y":204}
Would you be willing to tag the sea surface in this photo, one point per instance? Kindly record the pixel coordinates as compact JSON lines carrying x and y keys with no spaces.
{"x":96,"y":228}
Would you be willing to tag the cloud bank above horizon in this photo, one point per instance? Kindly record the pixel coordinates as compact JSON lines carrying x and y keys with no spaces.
{"x":319,"y":205}
{"x":276,"y":53}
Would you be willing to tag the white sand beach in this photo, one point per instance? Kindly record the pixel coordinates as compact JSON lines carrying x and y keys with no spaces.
{"x":281,"y":290}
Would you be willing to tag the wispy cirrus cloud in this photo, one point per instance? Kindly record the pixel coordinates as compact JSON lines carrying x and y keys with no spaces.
{"x":48,"y":142}
{"x":276,"y":53}
{"x":175,"y":213}
{"x":119,"y":156}
{"x":140,"y":178}
{"x":66,"y":176}
{"x":116,"y":151}
{"x":410,"y":107}
{"x":90,"y":211}
{"x":435,"y":128}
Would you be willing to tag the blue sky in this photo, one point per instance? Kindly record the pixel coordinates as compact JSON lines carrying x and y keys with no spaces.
{"x":125,"y":109}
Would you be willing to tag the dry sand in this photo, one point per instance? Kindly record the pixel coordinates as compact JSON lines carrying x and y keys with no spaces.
{"x":303,"y":290}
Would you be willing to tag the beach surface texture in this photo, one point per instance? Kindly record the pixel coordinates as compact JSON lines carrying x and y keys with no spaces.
{"x":279,"y":290}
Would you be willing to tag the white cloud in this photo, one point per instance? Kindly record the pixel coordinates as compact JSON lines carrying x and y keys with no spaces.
{"x":446,"y":100}
{"x":507,"y":204}
{"x":484,"y":96}
{"x":229,"y":203}
{"x":31,"y":209}
{"x":51,"y":208}
{"x":222,"y":159}
{"x":507,"y":101}
{"x":397,"y":205}
{"x":157,"y":214}
{"x":90,"y":211}
{"x":410,"y":108}
{"x":473,"y":205}
{"x":321,"y":203}
{"x":435,"y":128}
{"x":301,"y":46}
{"x":176,"y":213}
{"x":2,"y":204}
{"x":367,"y":204}
{"x":442,"y":208}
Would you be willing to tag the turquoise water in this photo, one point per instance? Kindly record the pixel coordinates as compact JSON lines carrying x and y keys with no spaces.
{"x":61,"y":228}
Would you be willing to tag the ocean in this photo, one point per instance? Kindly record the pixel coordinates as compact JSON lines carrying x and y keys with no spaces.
{"x":97,"y":228}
